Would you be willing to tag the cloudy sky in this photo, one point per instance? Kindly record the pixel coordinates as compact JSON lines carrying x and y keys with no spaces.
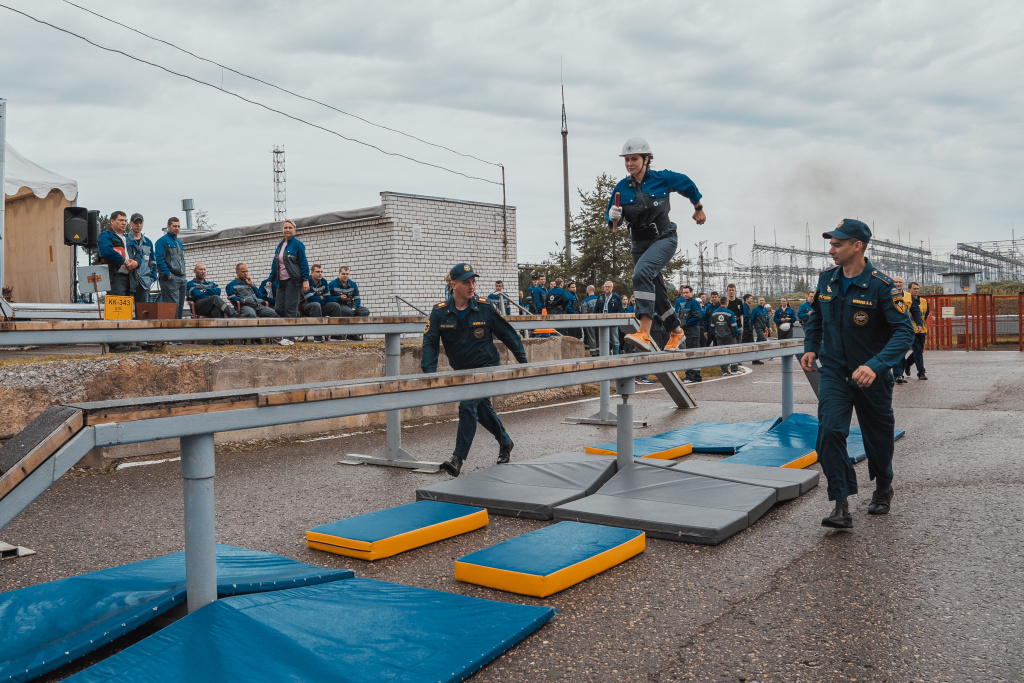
{"x":785,"y":114}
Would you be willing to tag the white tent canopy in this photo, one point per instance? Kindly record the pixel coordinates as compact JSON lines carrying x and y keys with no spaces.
{"x":19,"y":172}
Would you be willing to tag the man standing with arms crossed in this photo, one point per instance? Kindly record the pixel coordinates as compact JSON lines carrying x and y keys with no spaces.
{"x":467,"y":325}
{"x":170,"y":262}
{"x":859,"y":329}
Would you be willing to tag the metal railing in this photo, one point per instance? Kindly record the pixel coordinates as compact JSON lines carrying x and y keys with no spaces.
{"x":195,"y":418}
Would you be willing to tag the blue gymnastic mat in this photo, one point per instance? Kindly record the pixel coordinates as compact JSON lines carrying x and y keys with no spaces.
{"x":376,"y":526}
{"x":789,"y":440}
{"x":356,"y":630}
{"x":552,"y":548}
{"x":720,"y":437}
{"x":46,"y":626}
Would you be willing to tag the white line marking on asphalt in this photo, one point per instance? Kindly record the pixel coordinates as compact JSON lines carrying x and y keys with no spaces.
{"x":126,"y":465}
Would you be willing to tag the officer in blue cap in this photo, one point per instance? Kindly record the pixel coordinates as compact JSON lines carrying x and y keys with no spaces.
{"x":859,"y":330}
{"x":467,"y":325}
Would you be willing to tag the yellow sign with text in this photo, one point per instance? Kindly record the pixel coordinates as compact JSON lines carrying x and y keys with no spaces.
{"x":118,"y":307}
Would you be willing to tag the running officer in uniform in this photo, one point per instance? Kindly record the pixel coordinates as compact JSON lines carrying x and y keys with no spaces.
{"x":859,"y":329}
{"x":645,"y":206}
{"x":467,"y":325}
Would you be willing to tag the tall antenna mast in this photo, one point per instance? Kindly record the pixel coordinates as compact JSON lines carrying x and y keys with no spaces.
{"x":280,"y":213}
{"x":565,"y":178}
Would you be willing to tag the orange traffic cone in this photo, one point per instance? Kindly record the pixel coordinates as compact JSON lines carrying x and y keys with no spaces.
{"x":544,"y":312}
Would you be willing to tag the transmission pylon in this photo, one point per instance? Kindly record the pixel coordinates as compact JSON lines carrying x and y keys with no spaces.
{"x":280,"y":213}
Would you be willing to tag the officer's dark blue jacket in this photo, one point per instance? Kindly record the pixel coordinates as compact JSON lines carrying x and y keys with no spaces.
{"x":651,"y":204}
{"x":614,"y":306}
{"x":786,"y":312}
{"x":866,"y":325}
{"x":294,"y":260}
{"x":350,"y":290}
{"x":689,"y":312}
{"x":112,"y":248}
{"x":200,"y":289}
{"x":468,"y":343}
{"x":803,"y":312}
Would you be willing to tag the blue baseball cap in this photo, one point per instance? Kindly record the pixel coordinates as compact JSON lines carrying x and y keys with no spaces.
{"x":462,"y":271}
{"x":850,"y":228}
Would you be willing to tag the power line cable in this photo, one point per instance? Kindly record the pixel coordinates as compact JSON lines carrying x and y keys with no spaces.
{"x":246,"y":99}
{"x":277,"y":87}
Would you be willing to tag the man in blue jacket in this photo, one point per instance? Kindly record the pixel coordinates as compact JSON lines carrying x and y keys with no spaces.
{"x":170,"y":264}
{"x":467,"y":325}
{"x":320,"y":294}
{"x":559,"y":301}
{"x":761,"y":323}
{"x":346,"y":293}
{"x":113,"y":251}
{"x":725,"y":329}
{"x":858,"y":329}
{"x":243,"y":290}
{"x":608,"y":301}
{"x":205,"y":296}
{"x":140,"y":250}
{"x":691,"y":318}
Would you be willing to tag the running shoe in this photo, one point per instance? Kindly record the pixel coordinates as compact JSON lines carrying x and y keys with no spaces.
{"x":674,"y":341}
{"x":640,"y":340}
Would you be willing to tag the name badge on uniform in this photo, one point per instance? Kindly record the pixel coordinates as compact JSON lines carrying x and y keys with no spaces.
{"x":862,"y":302}
{"x":824,"y":297}
{"x":447,"y":327}
{"x":478,"y":332}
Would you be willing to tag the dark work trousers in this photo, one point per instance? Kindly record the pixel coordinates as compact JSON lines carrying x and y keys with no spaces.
{"x":141,"y":294}
{"x":289,"y":294}
{"x":788,"y":334}
{"x":726,"y":341}
{"x":838,"y":397}
{"x":331,"y":309}
{"x":649,"y":258}
{"x":760,"y":336}
{"x":692,"y":341}
{"x":354,"y":312}
{"x":172,"y":291}
{"x":917,"y":355}
{"x":259,"y":311}
{"x":311,"y":310}
{"x":471,"y":412}
{"x":119,"y":282}
{"x":213,"y":307}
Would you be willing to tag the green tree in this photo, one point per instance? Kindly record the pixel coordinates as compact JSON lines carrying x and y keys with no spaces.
{"x":599,"y":255}
{"x":94,"y":254}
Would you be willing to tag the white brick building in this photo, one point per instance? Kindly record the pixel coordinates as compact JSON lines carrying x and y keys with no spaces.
{"x":405,"y":246}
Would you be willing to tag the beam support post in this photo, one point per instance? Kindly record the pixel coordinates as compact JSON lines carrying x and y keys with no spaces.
{"x":392,"y":455}
{"x":787,"y":386}
{"x":197,"y":470}
{"x":624,"y":432}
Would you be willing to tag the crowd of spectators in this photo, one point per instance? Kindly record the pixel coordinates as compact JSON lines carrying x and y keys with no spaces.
{"x":292,"y":289}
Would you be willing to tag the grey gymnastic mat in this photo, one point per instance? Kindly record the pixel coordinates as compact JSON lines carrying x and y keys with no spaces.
{"x":529,"y":489}
{"x":788,"y":483}
{"x":674,"y":505}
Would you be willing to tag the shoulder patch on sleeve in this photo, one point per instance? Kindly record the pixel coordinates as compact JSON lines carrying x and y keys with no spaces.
{"x":900,"y":304}
{"x":440,"y":305}
{"x":483,"y":300}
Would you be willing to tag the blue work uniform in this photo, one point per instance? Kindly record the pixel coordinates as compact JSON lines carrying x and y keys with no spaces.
{"x":559,"y":301}
{"x":760,"y":322}
{"x":347,"y":295}
{"x":142,"y":251}
{"x":691,"y":318}
{"x":468,"y":338}
{"x":858,"y":322}
{"x":170,"y":264}
{"x":781,"y":315}
{"x":205,"y":296}
{"x":645,"y":209}
{"x":803,"y":313}
{"x":114,"y":252}
{"x":539,"y":295}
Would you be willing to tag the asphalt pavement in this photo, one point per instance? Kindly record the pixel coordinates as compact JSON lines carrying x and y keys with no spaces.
{"x":932,"y":592}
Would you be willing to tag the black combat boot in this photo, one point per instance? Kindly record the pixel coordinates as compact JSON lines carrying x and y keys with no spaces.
{"x":505,"y":453}
{"x":840,"y":517}
{"x":880,"y":500}
{"x":453,"y":466}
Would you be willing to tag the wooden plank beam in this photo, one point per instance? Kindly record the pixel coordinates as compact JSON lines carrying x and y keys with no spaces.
{"x":34,"y":445}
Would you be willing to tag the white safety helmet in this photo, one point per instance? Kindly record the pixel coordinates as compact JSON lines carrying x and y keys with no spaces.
{"x":636,"y":146}
{"x":784,"y":327}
